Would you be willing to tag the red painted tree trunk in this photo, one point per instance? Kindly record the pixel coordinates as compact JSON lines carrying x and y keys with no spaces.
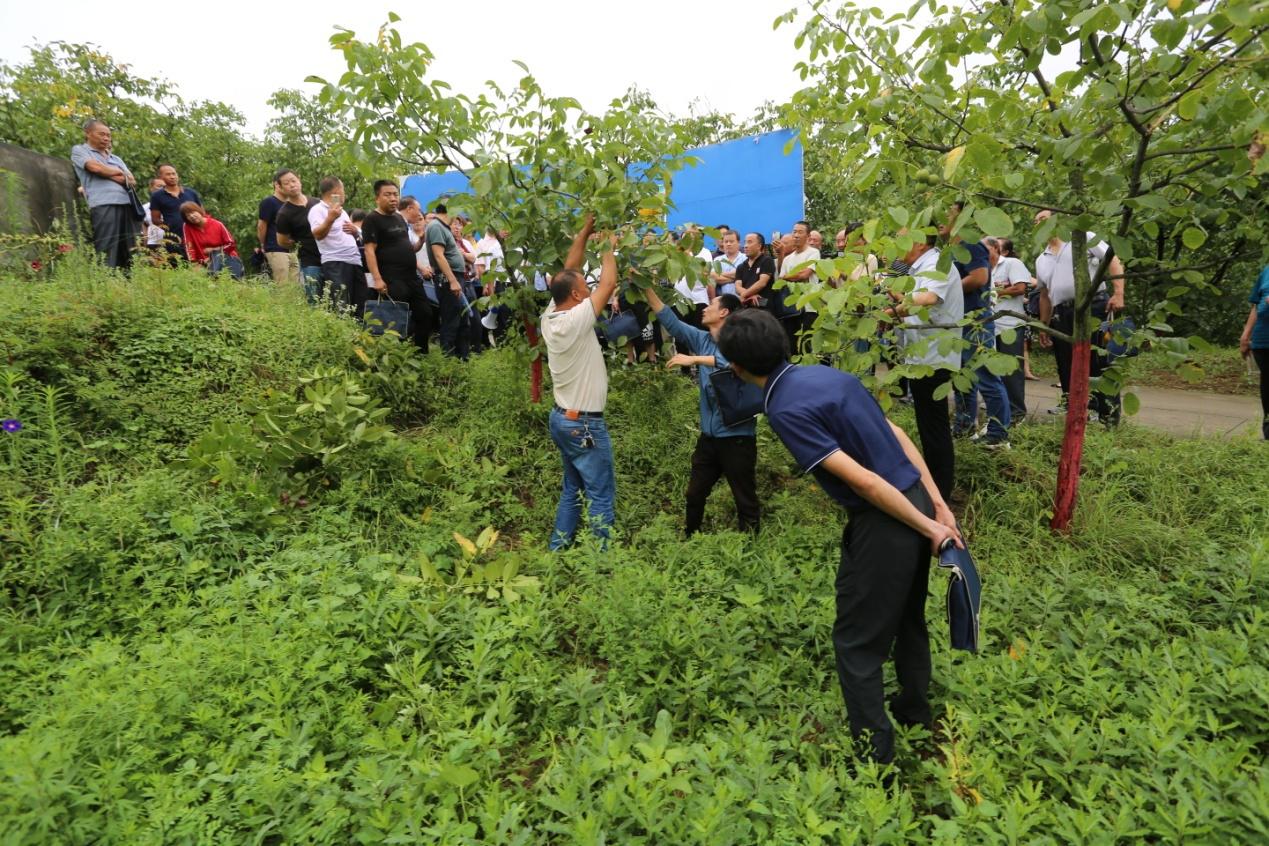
{"x":1068,"y":476}
{"x":535,"y":366}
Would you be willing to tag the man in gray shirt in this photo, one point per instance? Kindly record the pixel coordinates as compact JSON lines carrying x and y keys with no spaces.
{"x":106,"y":181}
{"x":448,"y":269}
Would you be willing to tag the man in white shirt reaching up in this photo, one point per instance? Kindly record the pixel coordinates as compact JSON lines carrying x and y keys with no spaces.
{"x":579,"y":382}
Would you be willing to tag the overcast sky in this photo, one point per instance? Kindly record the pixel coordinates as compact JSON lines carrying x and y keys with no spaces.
{"x":725,"y":55}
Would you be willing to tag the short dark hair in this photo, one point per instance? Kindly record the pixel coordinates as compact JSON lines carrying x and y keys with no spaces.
{"x":380,"y":184}
{"x":562,"y":285}
{"x":408,"y":201}
{"x":802,"y":223}
{"x":1006,"y":246}
{"x":754,"y":340}
{"x":441,"y":209}
{"x":722,"y":226}
{"x":165,"y":164}
{"x":328,"y":184}
{"x":277,"y":176}
{"x":731,"y":302}
{"x":357,"y":215}
{"x":762,"y":241}
{"x":91,"y":123}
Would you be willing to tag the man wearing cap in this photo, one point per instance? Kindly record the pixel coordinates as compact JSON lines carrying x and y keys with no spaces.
{"x":721,"y":450}
{"x":107,"y":181}
{"x":836,"y":431}
{"x":579,"y":382}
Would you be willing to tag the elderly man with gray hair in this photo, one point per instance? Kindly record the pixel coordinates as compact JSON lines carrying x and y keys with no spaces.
{"x":109,"y":189}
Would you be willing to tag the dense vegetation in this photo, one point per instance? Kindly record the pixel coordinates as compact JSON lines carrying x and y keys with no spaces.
{"x":252,"y":593}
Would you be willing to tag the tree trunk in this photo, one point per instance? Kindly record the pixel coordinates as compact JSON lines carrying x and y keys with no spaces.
{"x":535,"y":365}
{"x":1068,"y":477}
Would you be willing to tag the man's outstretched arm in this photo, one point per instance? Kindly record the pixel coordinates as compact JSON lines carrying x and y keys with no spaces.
{"x":608,"y":274}
{"x":577,"y":252}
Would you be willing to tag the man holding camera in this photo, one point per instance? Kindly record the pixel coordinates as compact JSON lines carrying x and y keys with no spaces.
{"x":579,"y":382}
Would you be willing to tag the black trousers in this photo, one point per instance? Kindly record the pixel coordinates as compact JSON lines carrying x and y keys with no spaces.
{"x":735,"y":458}
{"x":346,"y":282}
{"x":1106,"y":405}
{"x":1262,"y":361}
{"x":881,"y":587}
{"x":454,"y":330}
{"x":934,"y":429}
{"x":115,"y":230}
{"x":409,"y":290}
{"x":1015,"y":382}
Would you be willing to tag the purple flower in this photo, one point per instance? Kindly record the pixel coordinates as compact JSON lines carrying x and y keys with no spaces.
{"x":11,"y":425}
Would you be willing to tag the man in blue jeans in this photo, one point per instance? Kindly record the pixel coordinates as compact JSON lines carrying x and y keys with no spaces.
{"x":579,"y":382}
{"x":976,"y":284}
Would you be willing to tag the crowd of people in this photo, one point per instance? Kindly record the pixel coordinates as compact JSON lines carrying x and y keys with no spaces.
{"x":744,"y":316}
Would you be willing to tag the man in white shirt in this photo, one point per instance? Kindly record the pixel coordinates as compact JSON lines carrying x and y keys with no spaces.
{"x":579,"y":383}
{"x":1009,"y":280}
{"x":1055,"y":274}
{"x":724,"y":266}
{"x":936,"y":300}
{"x":696,"y":292}
{"x":798,"y":322}
{"x":337,"y":244}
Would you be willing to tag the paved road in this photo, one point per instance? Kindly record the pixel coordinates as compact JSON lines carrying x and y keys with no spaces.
{"x":1182,"y":413}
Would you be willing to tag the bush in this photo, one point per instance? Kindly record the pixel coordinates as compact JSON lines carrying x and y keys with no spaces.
{"x":185,"y":658}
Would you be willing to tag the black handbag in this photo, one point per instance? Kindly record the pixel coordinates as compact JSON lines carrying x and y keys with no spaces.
{"x":738,"y":401}
{"x":622,"y":325}
{"x":387,"y":315}
{"x":964,"y":596}
{"x":138,"y":208}
{"x":219,"y":260}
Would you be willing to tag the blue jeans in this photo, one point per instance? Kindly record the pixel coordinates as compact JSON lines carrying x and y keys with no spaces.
{"x":588,"y":470}
{"x":991,"y":385}
{"x":312,"y":277}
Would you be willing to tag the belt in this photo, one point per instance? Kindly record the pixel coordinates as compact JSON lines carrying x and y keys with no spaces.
{"x":573,"y":414}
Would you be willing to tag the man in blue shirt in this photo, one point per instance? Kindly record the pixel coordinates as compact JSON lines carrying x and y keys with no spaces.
{"x":976,"y":284}
{"x":721,"y":450}
{"x":106,"y":182}
{"x":836,"y":431}
{"x":1254,"y":341}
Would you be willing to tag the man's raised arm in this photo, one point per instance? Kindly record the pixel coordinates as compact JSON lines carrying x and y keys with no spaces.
{"x":577,"y":252}
{"x":608,"y":274}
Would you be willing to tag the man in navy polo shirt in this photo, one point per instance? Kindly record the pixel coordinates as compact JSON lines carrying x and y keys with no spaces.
{"x":165,"y":203}
{"x":976,"y":284}
{"x":836,"y":431}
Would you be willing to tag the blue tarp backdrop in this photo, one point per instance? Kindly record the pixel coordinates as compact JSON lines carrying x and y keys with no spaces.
{"x":748,"y":184}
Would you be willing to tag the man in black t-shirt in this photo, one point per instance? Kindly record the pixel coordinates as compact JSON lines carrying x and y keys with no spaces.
{"x":391,"y":260}
{"x":292,"y":229}
{"x":283,"y":266}
{"x":754,"y":274}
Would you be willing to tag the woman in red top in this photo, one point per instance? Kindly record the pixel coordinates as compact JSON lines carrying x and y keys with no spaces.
{"x":206,"y":236}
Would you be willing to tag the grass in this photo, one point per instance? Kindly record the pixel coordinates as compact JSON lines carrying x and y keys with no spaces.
{"x":1220,"y":371}
{"x":187,"y":656}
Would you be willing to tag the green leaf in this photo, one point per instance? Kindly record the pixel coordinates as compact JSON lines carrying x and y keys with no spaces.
{"x":459,"y":775}
{"x":1132,"y":404}
{"x":1193,"y":237}
{"x":993,"y":221}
